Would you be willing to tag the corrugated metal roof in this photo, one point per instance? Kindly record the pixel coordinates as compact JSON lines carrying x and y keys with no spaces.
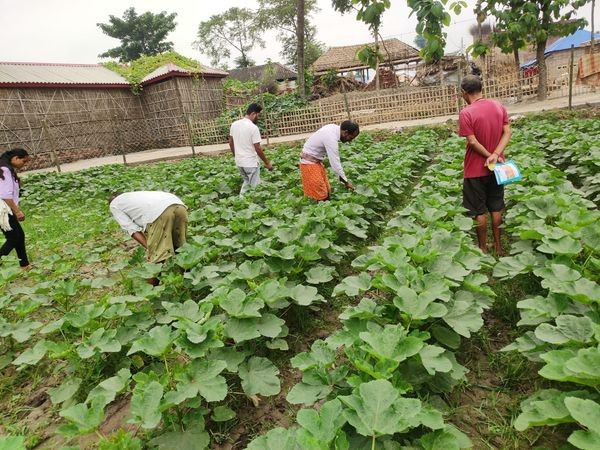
{"x":171,"y":68}
{"x":19,"y":73}
{"x":577,"y":39}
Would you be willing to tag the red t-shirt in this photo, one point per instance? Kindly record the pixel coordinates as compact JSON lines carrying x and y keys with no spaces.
{"x":485,"y":120}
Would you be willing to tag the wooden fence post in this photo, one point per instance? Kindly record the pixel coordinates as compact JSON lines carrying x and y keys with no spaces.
{"x":118,"y":138}
{"x":571,"y":61}
{"x":266,"y":117}
{"x":188,"y":122}
{"x":347,"y":104}
{"x":459,"y":80}
{"x":52,"y":146}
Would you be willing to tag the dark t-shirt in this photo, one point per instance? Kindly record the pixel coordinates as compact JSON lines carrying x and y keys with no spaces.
{"x":485,"y":120}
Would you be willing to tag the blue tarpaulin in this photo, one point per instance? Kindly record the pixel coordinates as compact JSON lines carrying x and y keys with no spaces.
{"x":564,"y":43}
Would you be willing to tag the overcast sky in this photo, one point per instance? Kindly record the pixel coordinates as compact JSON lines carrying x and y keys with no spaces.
{"x":65,"y":31}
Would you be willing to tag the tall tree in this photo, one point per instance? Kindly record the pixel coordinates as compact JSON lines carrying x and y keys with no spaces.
{"x":534,"y":22}
{"x":282,"y":16}
{"x":140,"y":35}
{"x":235,"y":29}
{"x":300,"y":47}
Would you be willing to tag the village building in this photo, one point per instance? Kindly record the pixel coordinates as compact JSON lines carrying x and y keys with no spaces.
{"x":86,"y":110}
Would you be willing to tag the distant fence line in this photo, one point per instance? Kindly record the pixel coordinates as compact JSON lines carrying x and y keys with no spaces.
{"x":376,"y":107}
{"x":166,"y":120}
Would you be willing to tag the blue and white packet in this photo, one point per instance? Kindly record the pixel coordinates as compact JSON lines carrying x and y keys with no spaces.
{"x":507,"y":172}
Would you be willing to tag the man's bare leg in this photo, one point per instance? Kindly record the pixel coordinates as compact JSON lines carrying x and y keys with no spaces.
{"x":496,"y":222}
{"x":482,"y":232}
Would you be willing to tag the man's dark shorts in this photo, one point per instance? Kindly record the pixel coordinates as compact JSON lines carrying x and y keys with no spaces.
{"x":482,"y":195}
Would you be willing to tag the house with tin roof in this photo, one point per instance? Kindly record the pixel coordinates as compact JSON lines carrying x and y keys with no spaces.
{"x":88,"y":110}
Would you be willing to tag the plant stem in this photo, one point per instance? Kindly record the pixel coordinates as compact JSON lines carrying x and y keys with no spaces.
{"x":373,"y":443}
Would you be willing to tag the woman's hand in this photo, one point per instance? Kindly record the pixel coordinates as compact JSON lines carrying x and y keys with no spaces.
{"x":20,"y":215}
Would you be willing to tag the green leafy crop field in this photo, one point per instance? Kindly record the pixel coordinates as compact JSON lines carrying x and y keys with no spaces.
{"x":366,"y":322}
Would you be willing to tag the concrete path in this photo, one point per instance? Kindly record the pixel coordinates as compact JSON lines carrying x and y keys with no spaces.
{"x":164,"y":154}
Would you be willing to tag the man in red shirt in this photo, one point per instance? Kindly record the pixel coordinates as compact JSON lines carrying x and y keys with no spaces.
{"x":484,"y":123}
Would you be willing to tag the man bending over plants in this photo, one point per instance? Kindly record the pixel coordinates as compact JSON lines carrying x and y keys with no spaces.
{"x":325,"y":142}
{"x":244,"y":143}
{"x":156,"y":220}
{"x":485,"y":124}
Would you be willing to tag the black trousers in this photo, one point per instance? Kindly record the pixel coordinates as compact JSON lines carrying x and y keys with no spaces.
{"x":15,"y":239}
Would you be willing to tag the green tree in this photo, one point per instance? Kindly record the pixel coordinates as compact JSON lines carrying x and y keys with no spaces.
{"x":521,"y":22}
{"x":235,"y":29}
{"x":140,"y":35}
{"x":431,"y":15}
{"x":282,"y":16}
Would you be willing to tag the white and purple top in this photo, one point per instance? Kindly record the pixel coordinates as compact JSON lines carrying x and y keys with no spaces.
{"x":9,"y":188}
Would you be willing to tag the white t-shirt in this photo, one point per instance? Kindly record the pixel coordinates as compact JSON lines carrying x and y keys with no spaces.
{"x":135,"y":210}
{"x":245,"y":134}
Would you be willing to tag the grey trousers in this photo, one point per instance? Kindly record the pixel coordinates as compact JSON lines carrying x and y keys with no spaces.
{"x":251,"y":177}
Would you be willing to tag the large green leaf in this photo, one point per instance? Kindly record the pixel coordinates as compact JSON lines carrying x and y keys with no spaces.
{"x":145,"y":404}
{"x":321,"y":354}
{"x":392,"y":343}
{"x":238,"y":304}
{"x":241,"y":330}
{"x":276,"y":439}
{"x":376,"y":408}
{"x":12,"y":443}
{"x":33,"y":355}
{"x":546,"y":407}
{"x":109,"y":388}
{"x":259,"y":376}
{"x":320,"y":274}
{"x":435,"y":359}
{"x":86,"y":418}
{"x":155,"y":343}
{"x":584,"y":411}
{"x":200,"y":377}
{"x":308,"y":394}
{"x":566,"y":245}
{"x":190,"y":439}
{"x":447,"y":439}
{"x":100,"y":341}
{"x":305,"y":295}
{"x":417,"y":307}
{"x":353,"y":285}
{"x":323,"y":425}
{"x":568,"y":329}
{"x":464,"y":317}
{"x":65,"y":391}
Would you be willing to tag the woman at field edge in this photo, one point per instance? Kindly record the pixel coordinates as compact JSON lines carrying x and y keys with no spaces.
{"x":9,"y":192}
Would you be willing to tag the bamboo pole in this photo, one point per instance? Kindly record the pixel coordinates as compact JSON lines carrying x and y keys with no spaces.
{"x":189,"y":127}
{"x":118,"y":138}
{"x":459,"y":79}
{"x":266,"y":116}
{"x":52,"y":146}
{"x":571,"y":61}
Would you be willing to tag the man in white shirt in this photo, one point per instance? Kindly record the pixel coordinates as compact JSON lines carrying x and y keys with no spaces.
{"x":156,"y":220}
{"x":325,"y":142}
{"x":244,"y":142}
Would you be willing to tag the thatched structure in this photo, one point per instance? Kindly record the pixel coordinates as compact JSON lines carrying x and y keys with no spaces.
{"x":80,"y":111}
{"x":272,"y":77}
{"x":344,"y":59}
{"x":270,"y":71}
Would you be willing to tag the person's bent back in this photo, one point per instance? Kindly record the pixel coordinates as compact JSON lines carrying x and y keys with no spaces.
{"x":156,"y":220}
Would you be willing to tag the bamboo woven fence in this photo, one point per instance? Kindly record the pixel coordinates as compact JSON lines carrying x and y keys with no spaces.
{"x":62,"y":125}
